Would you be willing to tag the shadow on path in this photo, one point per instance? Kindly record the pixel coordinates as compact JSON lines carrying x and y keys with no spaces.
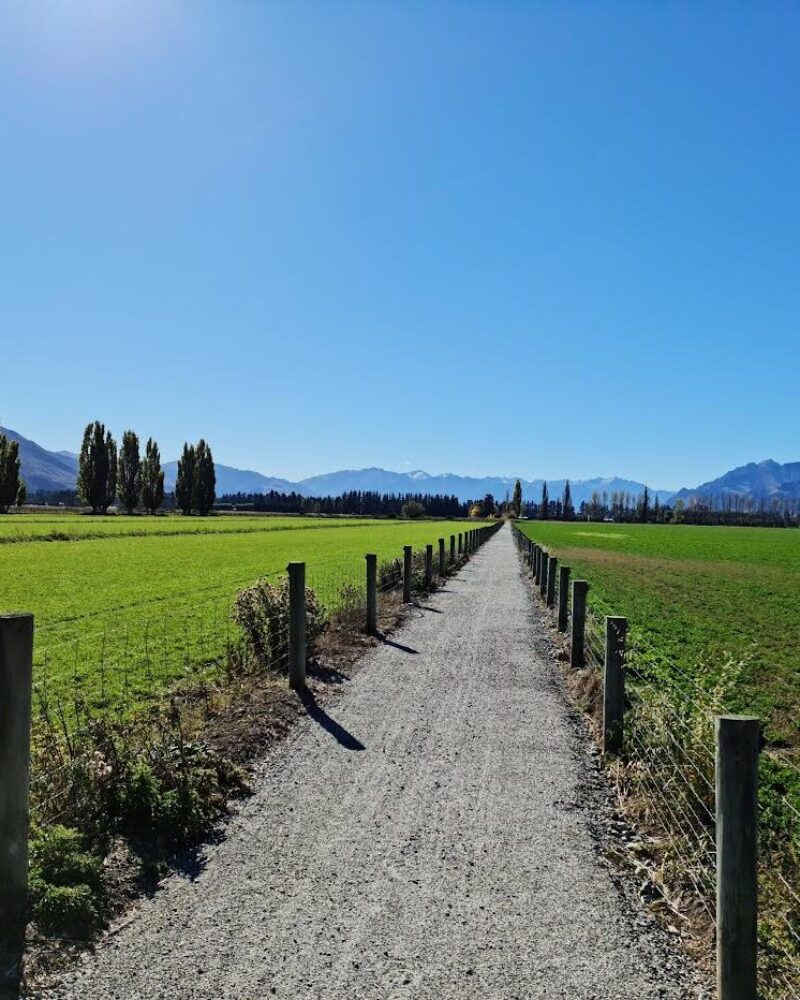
{"x":321,"y":717}
{"x":395,"y":645}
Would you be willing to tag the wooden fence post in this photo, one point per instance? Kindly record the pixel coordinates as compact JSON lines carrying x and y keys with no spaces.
{"x":545,"y":558}
{"x":452,"y":548}
{"x":577,"y":659}
{"x":406,"y":574}
{"x":16,"y":672}
{"x":460,"y":541}
{"x":442,"y":558}
{"x":537,"y":563}
{"x":372,"y":593}
{"x":297,"y":625}
{"x":552,"y":563}
{"x":614,"y":684}
{"x":738,"y":738}
{"x":563,"y":598}
{"x":428,"y":567}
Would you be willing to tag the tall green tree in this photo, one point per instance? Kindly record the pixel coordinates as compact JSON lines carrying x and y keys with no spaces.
{"x":516,"y":503}
{"x":567,"y":507}
{"x":129,"y":471}
{"x":152,"y":478}
{"x":10,"y":481}
{"x":97,"y":468}
{"x":644,"y":507}
{"x":22,"y":493}
{"x":545,"y":511}
{"x":205,"y":480}
{"x":184,"y":481}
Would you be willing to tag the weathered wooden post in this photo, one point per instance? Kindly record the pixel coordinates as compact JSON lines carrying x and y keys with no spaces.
{"x":563,"y":598}
{"x":442,"y":558}
{"x":297,"y":625}
{"x":536,"y":553}
{"x":577,"y":658}
{"x":452,"y":548}
{"x":738,"y":738}
{"x":460,"y":543}
{"x":16,"y":678}
{"x":543,"y":573}
{"x":372,"y":593}
{"x":406,"y":574}
{"x":428,"y":567}
{"x":614,"y":684}
{"x":552,"y":564}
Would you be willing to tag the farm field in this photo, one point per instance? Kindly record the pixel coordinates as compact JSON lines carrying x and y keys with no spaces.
{"x":128,"y":605}
{"x":76,"y":527}
{"x":695,"y":596}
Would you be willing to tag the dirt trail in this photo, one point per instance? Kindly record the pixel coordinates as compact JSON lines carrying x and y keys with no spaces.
{"x":433,"y":840}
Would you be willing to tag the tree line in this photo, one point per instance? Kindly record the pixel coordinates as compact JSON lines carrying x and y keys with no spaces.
{"x":643,"y":508}
{"x":357,"y":502}
{"x":107,"y":473}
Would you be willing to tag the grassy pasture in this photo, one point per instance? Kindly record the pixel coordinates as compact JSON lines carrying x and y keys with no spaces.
{"x":128,"y":605}
{"x":693,"y":594}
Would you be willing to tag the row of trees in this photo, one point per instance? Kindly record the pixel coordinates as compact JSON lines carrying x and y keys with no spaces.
{"x":643,"y":508}
{"x":364,"y":502}
{"x":196,"y":482}
{"x":619,"y":506}
{"x":12,"y":485}
{"x":105,"y":473}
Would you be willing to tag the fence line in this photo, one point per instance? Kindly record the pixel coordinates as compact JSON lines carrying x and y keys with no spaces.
{"x":680,"y":763}
{"x":75,"y":694}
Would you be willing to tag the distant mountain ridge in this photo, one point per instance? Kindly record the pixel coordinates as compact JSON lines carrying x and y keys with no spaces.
{"x":43,"y":469}
{"x":767,"y":480}
{"x":230,"y":480}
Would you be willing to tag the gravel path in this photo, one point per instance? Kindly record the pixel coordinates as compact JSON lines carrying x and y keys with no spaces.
{"x":437,"y":845}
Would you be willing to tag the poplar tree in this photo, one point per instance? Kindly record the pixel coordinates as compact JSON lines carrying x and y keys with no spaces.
{"x":184,"y":481}
{"x":205,"y":479}
{"x":10,"y":482}
{"x":645,"y":508}
{"x":152,"y":478}
{"x":97,"y":468}
{"x":545,"y":512}
{"x":517,"y":501}
{"x":129,"y":472}
{"x":568,"y":510}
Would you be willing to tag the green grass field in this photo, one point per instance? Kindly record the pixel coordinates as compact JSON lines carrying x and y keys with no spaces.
{"x":693,"y":595}
{"x":124,"y":606}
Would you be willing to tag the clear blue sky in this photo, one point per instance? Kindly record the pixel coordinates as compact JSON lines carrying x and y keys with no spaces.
{"x":538,"y":239}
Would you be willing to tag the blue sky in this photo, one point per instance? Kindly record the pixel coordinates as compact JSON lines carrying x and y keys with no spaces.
{"x":522,"y":238}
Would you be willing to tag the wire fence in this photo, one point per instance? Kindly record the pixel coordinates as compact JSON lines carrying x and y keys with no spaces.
{"x":666,"y":778}
{"x":114,"y":675}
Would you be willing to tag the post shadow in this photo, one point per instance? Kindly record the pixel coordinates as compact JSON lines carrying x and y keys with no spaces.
{"x":321,"y":717}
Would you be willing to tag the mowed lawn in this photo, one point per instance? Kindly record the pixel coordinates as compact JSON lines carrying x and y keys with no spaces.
{"x":128,"y":605}
{"x":694,"y":595}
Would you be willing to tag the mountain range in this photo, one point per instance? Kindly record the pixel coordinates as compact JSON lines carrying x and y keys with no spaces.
{"x":57,"y":470}
{"x":766,"y":480}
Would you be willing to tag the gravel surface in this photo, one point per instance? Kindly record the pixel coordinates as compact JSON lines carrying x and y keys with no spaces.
{"x":433,"y":836}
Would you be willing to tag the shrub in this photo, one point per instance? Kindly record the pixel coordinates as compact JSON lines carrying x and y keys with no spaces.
{"x":412,"y":510}
{"x":67,"y":892}
{"x":262,"y":612}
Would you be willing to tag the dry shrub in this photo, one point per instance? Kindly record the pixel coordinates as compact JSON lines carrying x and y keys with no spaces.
{"x":262,"y":613}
